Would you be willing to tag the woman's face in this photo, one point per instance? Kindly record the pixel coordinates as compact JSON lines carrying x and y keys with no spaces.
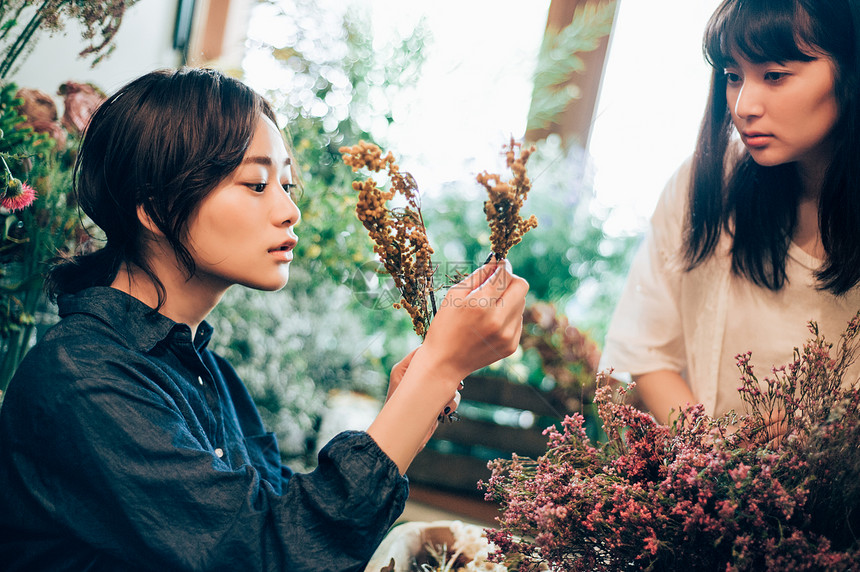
{"x":784,"y":112}
{"x":242,"y":232}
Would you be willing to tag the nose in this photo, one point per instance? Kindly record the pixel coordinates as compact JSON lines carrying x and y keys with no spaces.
{"x":287,"y":212}
{"x":748,"y":103}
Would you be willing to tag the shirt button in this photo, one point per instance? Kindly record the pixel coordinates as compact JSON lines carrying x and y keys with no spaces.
{"x":220,"y":452}
{"x":199,"y":380}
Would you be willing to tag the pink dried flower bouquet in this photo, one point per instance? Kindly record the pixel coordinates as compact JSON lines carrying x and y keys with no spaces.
{"x":697,"y":495}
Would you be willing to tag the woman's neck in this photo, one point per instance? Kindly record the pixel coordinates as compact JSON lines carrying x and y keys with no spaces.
{"x":807,"y":234}
{"x":185,"y":301}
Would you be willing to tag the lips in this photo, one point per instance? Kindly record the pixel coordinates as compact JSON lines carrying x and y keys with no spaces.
{"x":284,"y":251}
{"x":756,"y":138}
{"x":285,"y":246}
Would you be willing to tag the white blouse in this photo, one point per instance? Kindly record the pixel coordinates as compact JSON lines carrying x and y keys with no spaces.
{"x":696,"y":322}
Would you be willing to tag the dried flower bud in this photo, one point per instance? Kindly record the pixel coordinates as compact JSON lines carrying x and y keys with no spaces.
{"x":399,"y":236}
{"x":504,"y":201}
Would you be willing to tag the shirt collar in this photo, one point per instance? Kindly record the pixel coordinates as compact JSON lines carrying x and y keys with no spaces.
{"x":137,"y":323}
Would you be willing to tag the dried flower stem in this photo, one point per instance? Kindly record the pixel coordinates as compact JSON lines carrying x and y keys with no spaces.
{"x":506,"y":198}
{"x":399,"y":235}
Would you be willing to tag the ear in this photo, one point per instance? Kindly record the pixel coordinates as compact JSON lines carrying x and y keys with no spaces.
{"x":147,"y":222}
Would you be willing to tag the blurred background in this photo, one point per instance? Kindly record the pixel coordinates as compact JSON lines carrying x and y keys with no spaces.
{"x":609,"y":92}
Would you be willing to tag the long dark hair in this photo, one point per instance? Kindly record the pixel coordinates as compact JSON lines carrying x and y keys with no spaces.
{"x":759,"y":204}
{"x":162,"y":142}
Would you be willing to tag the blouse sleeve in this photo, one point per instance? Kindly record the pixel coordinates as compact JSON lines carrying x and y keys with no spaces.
{"x":646,"y":332}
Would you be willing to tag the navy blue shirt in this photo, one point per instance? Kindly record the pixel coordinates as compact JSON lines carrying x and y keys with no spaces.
{"x":125,"y":444}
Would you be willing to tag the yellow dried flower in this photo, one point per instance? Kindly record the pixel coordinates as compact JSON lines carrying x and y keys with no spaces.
{"x":399,"y":235}
{"x":505,"y":198}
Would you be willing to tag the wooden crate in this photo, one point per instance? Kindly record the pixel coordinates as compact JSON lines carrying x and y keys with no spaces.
{"x":498,"y":418}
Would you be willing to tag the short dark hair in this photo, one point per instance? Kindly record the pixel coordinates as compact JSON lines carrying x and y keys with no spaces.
{"x":162,"y":142}
{"x":760,"y":203}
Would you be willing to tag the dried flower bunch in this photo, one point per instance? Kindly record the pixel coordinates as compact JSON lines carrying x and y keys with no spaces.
{"x":100,"y":20}
{"x":439,"y":546}
{"x":399,"y":235}
{"x":506,"y":198}
{"x":697,"y":494}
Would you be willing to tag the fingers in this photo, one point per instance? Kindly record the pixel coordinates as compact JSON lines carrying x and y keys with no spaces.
{"x":775,"y":430}
{"x":478,"y":277}
{"x":500,"y":292}
{"x":450,"y":411}
{"x":772,"y":431}
{"x":496,"y":282}
{"x":507,"y":293}
{"x":478,"y":322}
{"x":493,"y":281}
{"x":501,"y":287}
{"x":453,"y":405}
{"x":449,"y":414}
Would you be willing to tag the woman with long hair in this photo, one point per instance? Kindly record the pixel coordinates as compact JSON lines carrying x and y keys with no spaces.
{"x":757,"y":234}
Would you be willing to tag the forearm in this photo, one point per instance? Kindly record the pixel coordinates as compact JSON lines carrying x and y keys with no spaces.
{"x":401,"y":428}
{"x":479,"y":322}
{"x":662,"y":392}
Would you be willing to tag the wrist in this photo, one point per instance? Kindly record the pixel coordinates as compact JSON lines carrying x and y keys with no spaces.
{"x":442,"y":372}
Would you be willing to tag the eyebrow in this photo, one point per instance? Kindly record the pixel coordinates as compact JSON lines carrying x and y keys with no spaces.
{"x":263,"y":160}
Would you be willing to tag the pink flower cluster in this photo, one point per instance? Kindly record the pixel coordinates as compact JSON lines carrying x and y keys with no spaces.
{"x":696,"y":495}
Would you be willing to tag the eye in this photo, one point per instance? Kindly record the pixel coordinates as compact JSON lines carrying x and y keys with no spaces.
{"x":775,"y":76}
{"x":289,"y":188}
{"x":257,"y":187}
{"x":732,"y":78}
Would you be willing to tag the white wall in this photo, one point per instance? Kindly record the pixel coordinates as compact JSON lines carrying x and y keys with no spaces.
{"x":144,"y":42}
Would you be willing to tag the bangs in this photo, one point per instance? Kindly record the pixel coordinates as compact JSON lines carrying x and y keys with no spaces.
{"x":759,"y":31}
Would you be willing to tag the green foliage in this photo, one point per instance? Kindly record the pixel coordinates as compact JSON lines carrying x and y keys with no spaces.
{"x":329,"y":328}
{"x":34,"y":235}
{"x":559,"y":59}
{"x":51,"y":225}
